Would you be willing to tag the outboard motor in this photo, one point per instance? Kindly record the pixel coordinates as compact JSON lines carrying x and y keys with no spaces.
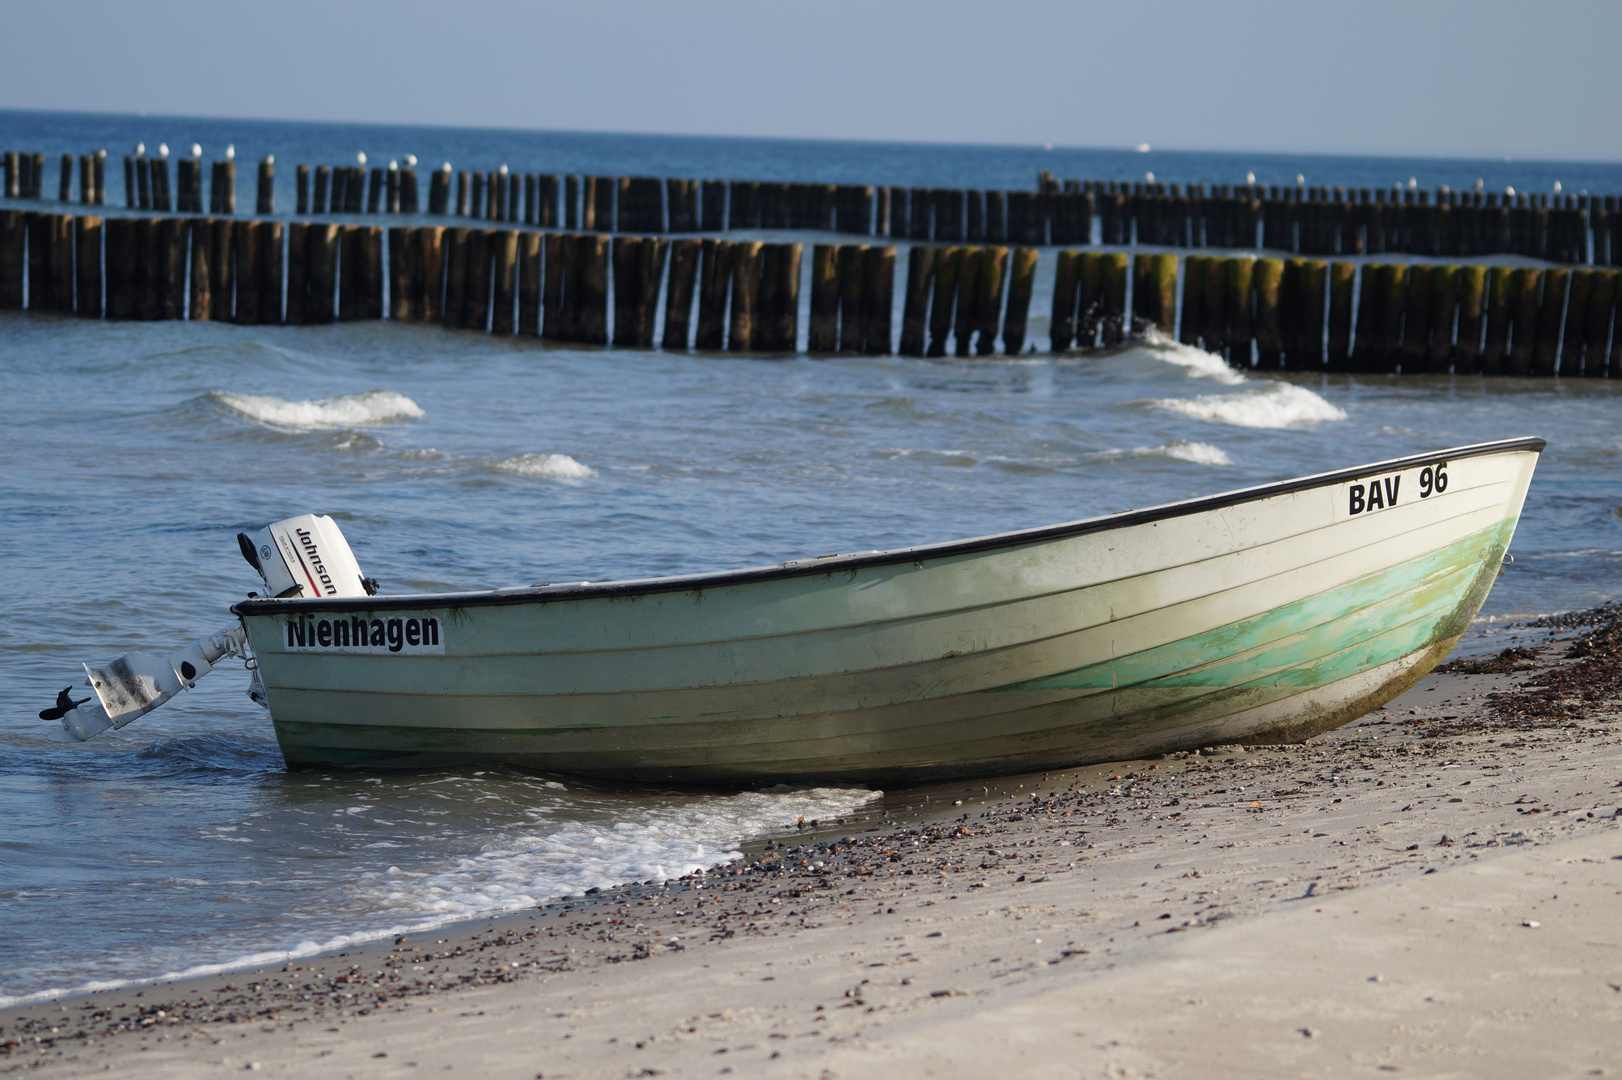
{"x":303,"y":557}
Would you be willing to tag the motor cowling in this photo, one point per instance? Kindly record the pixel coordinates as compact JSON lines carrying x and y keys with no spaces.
{"x":305,"y":557}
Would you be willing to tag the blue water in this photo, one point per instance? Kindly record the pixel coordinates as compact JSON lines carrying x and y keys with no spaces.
{"x":133,"y":453}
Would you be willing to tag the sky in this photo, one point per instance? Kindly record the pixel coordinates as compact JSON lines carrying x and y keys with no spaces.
{"x":1437,"y":78}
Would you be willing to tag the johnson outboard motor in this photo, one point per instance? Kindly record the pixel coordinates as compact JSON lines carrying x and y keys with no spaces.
{"x":302,"y":557}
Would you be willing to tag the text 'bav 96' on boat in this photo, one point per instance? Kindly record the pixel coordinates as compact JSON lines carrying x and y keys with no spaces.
{"x":1263,"y":615}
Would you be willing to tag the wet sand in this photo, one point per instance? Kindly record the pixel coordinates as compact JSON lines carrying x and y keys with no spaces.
{"x":1431,"y":891}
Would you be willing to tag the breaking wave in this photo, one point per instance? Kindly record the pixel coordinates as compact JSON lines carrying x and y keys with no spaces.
{"x":552,"y":466}
{"x":351,"y":410}
{"x":1198,"y":453}
{"x":1263,"y":405}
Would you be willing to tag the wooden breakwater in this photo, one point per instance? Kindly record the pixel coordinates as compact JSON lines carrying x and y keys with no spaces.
{"x":1263,"y":313}
{"x":1300,"y":220}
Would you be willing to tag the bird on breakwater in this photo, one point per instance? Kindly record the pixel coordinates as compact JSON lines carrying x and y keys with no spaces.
{"x":231,"y":152}
{"x":411,"y":161}
{"x":140,"y":149}
{"x":163,"y":149}
{"x":64,"y":705}
{"x":196,"y":150}
{"x":360,"y":158}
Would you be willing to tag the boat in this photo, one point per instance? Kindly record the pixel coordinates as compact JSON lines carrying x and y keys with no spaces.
{"x":1259,"y":616}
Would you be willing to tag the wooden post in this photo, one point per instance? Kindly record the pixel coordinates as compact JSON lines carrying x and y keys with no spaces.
{"x":990,"y":283}
{"x":1212,"y":314}
{"x":149,"y":262}
{"x":301,"y":188}
{"x":915,"y":307}
{"x":593,"y":289}
{"x":1191,"y":326}
{"x":1342,"y":282}
{"x":1526,"y":292}
{"x":822,"y":335}
{"x":1391,"y":289}
{"x":684,"y":255}
{"x":878,"y":300}
{"x":942,"y":309}
{"x":158,"y":167}
{"x":439,"y":191}
{"x":743,"y":211}
{"x":633,"y":258}
{"x":13,"y":237}
{"x":1472,"y":290}
{"x":1239,"y":303}
{"x":1163,"y":282}
{"x":714,"y":205}
{"x":201,"y":300}
{"x":404,"y":263}
{"x":41,"y":285}
{"x":296,"y":312}
{"x":557,"y":250}
{"x":1500,"y":307}
{"x":87,"y":265}
{"x":968,"y":317}
{"x":1571,"y":342}
{"x":13,"y":169}
{"x":456,"y":275}
{"x":1066,"y":283}
{"x":852,"y":292}
{"x":745,"y":285}
{"x":247,"y":240}
{"x":267,"y":186}
{"x":220,"y":242}
{"x":408,"y":190}
{"x":1021,"y":283}
{"x":529,"y":284}
{"x":321,"y":247}
{"x":271,"y":270}
{"x":923,"y":207}
{"x":122,"y":250}
{"x":1113,"y":271}
{"x":481,"y":245}
{"x":1545,"y":353}
{"x":715,"y":279}
{"x":504,"y":255}
{"x":1089,"y":294}
{"x":429,"y":306}
{"x":1416,"y":324}
{"x":683,"y":197}
{"x":1444,"y":309}
{"x":768,"y":297}
{"x":391,"y":196}
{"x":1268,"y":275}
{"x":1597,"y":322}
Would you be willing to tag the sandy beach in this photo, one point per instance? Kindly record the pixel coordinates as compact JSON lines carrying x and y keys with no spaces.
{"x":1431,"y":891}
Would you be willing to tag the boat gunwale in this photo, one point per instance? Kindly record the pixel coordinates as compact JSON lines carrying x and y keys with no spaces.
{"x":811,"y":567}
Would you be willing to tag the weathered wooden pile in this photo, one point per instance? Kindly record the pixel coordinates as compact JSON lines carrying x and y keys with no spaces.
{"x":1301,"y":220}
{"x":1291,"y":314}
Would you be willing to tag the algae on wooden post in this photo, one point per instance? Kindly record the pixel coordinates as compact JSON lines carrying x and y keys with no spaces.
{"x":1444,"y":308}
{"x":1021,"y":282}
{"x":1239,"y":303}
{"x":1342,"y":279}
{"x":1113,"y":269}
{"x":1472,"y":303}
{"x":1269,"y":329}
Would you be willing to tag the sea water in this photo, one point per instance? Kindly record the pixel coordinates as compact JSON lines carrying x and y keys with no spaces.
{"x":133,"y":453}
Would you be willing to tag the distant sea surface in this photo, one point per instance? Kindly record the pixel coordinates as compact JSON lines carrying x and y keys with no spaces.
{"x":133,"y":453}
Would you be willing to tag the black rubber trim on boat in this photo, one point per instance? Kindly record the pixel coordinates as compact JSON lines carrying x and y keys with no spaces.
{"x":811,"y":567}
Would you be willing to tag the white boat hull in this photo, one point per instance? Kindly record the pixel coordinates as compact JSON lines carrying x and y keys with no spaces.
{"x":1266,"y":615}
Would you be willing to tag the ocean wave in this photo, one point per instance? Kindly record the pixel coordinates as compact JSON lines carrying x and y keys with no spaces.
{"x":1196,"y":362}
{"x":1265,"y":405}
{"x":1198,"y":453}
{"x":552,"y":466}
{"x":351,"y":410}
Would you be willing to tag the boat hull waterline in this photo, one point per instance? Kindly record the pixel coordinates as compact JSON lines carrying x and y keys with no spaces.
{"x":1261,"y":616}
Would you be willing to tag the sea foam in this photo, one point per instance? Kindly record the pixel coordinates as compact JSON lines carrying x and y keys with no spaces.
{"x":1261,"y":405}
{"x":552,"y":466}
{"x":351,"y":410}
